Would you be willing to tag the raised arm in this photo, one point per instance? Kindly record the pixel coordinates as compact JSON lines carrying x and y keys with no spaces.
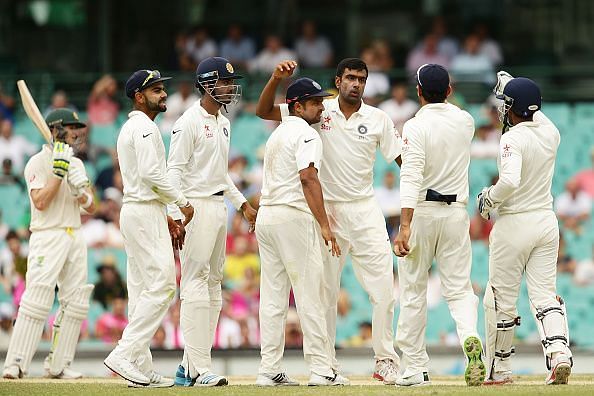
{"x":266,"y":109}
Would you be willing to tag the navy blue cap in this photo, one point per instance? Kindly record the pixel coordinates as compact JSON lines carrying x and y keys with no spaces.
{"x":215,"y":66}
{"x":433,"y":78}
{"x":142,"y":79}
{"x":304,"y":88}
{"x":524,"y":94}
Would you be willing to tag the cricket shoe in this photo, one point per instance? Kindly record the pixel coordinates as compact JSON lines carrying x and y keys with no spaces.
{"x":321,"y":380}
{"x":125,"y":369}
{"x":280,"y":379}
{"x":210,"y":379}
{"x":181,"y":379}
{"x":475,"y":368}
{"x":157,"y":381}
{"x":386,"y":371}
{"x":418,"y":379}
{"x":560,"y":370}
{"x":500,"y":378}
{"x":67,"y":372}
{"x":12,"y":372}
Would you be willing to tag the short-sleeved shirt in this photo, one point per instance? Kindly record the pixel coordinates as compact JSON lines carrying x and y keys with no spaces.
{"x":292,"y":147}
{"x":64,"y":210}
{"x":350,"y":147}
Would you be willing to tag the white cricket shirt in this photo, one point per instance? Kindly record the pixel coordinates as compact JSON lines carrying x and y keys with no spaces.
{"x":292,"y":147}
{"x":349,"y":149}
{"x":435,"y":153}
{"x":141,"y":154}
{"x":526,"y":165}
{"x":64,"y":210}
{"x":198,"y":160}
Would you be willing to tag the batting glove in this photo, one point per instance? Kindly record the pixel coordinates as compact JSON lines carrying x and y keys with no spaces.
{"x":485,"y":203}
{"x":503,"y":78}
{"x":61,"y":159}
{"x":78,"y":181}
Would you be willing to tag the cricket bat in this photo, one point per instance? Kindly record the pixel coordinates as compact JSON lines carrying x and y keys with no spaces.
{"x":33,"y":111}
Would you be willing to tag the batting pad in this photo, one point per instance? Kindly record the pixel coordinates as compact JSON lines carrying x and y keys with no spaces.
{"x":35,"y":306}
{"x":67,"y":329}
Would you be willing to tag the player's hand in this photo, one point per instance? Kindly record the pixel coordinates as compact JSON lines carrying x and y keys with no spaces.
{"x":250,"y":214}
{"x":329,"y":237}
{"x":485,"y":203}
{"x":77,"y":179}
{"x":503,"y":78}
{"x":61,"y":157}
{"x":284,"y":69}
{"x":401,"y":246}
{"x":177,"y":233}
{"x":188,"y":212}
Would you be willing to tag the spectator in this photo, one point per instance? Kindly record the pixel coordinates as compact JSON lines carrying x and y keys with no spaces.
{"x":174,"y":338}
{"x":8,"y":178}
{"x":584,"y":272}
{"x":110,"y":285}
{"x":480,"y":228}
{"x":200,"y":46}
{"x":488,"y":46}
{"x":383,"y":54}
{"x":6,"y":321}
{"x":312,"y":49}
{"x":271,"y":55}
{"x":111,"y":325}
{"x":585,"y":178}
{"x":15,"y":147}
{"x":13,"y":267}
{"x":293,"y":333}
{"x":573,"y":207}
{"x":158,"y":340}
{"x":377,"y":84}
{"x":565,"y":263}
{"x":237,"y":48}
{"x":471,"y":65}
{"x":102,"y":106}
{"x":483,"y":146}
{"x":181,"y":59}
{"x":426,"y":52}
{"x":388,"y":196}
{"x":447,"y":46}
{"x":7,"y":104}
{"x":400,"y":108}
{"x":240,"y":260}
{"x":59,"y":100}
{"x":110,"y":209}
{"x":178,"y":103}
{"x":363,"y":339}
{"x":110,"y":176}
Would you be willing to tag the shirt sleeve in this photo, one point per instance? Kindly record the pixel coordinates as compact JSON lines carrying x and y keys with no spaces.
{"x":181,"y":148}
{"x":150,"y":170}
{"x":510,"y":168}
{"x":390,"y":142}
{"x":284,"y":110}
{"x":233,"y":194}
{"x":35,"y":175}
{"x":308,"y":150}
{"x":413,"y":164}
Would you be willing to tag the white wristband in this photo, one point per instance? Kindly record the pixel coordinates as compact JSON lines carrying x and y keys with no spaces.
{"x":88,"y":202}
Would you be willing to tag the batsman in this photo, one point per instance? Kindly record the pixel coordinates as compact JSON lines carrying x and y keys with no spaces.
{"x":58,"y":189}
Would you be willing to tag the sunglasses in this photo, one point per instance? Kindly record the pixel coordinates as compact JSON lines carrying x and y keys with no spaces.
{"x":153,"y":74}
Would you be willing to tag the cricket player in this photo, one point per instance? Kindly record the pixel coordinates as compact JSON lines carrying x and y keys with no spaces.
{"x":525,"y":238}
{"x":351,"y":132}
{"x":58,"y":189}
{"x":291,"y":220}
{"x":434,"y":224}
{"x":198,"y":165}
{"x":144,"y":225}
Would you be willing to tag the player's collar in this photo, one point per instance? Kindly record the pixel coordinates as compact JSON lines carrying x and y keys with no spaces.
{"x":432,"y":106}
{"x":203,"y":111}
{"x":364,"y":110}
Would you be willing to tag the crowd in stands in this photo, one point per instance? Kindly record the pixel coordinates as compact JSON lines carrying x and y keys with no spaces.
{"x":476,"y":58}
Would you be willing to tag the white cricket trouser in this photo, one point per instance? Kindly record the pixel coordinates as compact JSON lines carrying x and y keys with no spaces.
{"x":150,"y":277}
{"x":438,"y":231}
{"x":525,"y":243}
{"x":360,"y":229}
{"x":202,"y":260}
{"x":290,"y":254}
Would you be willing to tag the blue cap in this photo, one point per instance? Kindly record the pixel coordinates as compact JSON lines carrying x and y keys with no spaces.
{"x":215,"y":66}
{"x":523,"y":95}
{"x":304,"y":88}
{"x":142,"y":79}
{"x":433,"y":78}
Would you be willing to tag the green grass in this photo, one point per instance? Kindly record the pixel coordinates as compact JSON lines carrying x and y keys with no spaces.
{"x":524,"y":385}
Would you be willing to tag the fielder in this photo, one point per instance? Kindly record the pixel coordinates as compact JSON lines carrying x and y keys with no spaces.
{"x":198,"y":165}
{"x":351,"y":132}
{"x":434,"y":225}
{"x":144,"y":225}
{"x":525,"y":238}
{"x":291,"y":220}
{"x":58,"y":189}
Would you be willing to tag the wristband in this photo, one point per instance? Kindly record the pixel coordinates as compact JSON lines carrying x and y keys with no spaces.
{"x":88,"y":201}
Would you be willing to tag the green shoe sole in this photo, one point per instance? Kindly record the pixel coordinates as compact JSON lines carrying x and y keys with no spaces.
{"x":475,"y":369}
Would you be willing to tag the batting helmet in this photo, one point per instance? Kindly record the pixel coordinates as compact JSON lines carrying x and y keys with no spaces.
{"x":522,"y":96}
{"x":215,"y":68}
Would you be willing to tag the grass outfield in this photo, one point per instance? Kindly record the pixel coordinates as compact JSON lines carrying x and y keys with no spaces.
{"x":524,"y":385}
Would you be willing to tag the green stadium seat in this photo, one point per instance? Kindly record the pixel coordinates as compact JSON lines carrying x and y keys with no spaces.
{"x":14,"y":204}
{"x":559,"y":113}
{"x":584,"y":111}
{"x":105,"y":136}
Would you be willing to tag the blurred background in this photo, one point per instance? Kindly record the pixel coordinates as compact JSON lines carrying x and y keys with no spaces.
{"x":78,"y":54}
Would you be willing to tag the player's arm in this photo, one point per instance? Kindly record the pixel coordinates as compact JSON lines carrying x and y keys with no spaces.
{"x":181,"y":148}
{"x":390,"y":142}
{"x":266,"y":109}
{"x":42,"y":188}
{"x":43,"y":197}
{"x":510,"y":173}
{"x":233,"y":194}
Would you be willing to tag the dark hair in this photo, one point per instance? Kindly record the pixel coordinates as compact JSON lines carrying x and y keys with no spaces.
{"x":434,"y":97}
{"x":292,"y":107}
{"x":350,"y":63}
{"x":12,"y":235}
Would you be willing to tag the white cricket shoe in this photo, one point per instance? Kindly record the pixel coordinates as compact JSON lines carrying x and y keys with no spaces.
{"x":157,"y":381}
{"x":67,"y":372}
{"x":125,"y":369}
{"x":320,"y":380}
{"x":12,"y":372}
{"x":210,"y":379}
{"x":280,"y":379}
{"x":500,"y":378}
{"x":386,"y":371}
{"x":560,"y":370}
{"x":418,"y":379}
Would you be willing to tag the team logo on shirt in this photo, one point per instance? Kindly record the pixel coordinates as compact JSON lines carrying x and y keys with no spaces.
{"x":362,"y":129}
{"x":506,"y":153}
{"x":325,"y":124}
{"x":405,"y":144}
{"x":226,"y":132}
{"x":207,"y":131}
